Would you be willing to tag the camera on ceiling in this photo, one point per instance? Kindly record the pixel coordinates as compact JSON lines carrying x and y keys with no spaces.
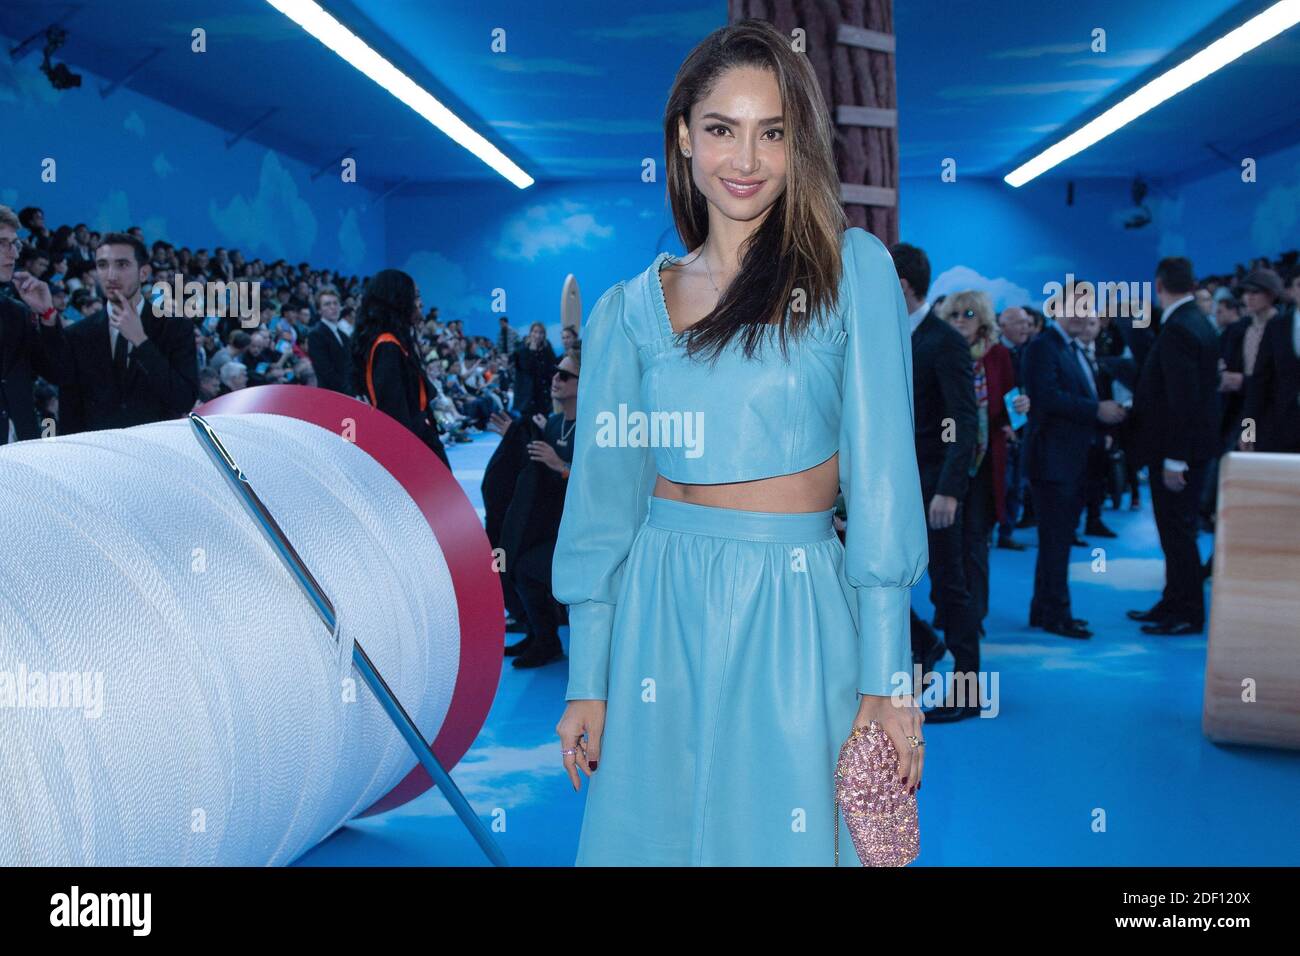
{"x":60,"y":77}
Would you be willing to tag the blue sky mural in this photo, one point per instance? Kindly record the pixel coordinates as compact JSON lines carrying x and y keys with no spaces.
{"x":127,"y":159}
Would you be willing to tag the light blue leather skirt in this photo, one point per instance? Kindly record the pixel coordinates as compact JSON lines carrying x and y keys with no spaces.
{"x":732,"y":686}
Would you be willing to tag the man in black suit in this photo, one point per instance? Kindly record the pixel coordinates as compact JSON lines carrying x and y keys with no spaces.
{"x":126,"y":364}
{"x":1177,"y":406}
{"x":1097,"y":471}
{"x":1064,"y":411}
{"x":330,"y":347}
{"x":30,"y":336}
{"x":946,"y":417}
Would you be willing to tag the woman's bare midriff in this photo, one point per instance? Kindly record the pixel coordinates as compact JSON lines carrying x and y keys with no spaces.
{"x":813,"y":489}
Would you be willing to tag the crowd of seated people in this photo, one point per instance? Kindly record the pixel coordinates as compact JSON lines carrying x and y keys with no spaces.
{"x":299,"y":335}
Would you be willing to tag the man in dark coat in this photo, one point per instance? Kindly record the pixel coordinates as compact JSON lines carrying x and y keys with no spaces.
{"x":127,"y":364}
{"x":1178,"y":411}
{"x":1064,"y":412}
{"x":946,"y":422}
{"x":30,"y":337}
{"x":330,"y":347}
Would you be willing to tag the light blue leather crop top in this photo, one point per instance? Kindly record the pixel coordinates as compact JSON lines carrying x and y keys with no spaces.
{"x":645,"y":409}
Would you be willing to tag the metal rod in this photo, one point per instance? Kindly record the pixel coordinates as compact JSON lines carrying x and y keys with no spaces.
{"x":360,"y":659}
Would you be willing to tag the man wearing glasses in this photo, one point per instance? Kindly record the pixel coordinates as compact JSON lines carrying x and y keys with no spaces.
{"x":30,"y":337}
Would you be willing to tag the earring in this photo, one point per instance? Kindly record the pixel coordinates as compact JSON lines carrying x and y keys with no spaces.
{"x":686,"y":152}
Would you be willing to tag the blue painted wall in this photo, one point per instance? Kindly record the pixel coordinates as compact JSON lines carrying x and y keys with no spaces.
{"x":463,"y":242}
{"x":128,"y":160}
{"x":982,"y":234}
{"x":1218,"y":220}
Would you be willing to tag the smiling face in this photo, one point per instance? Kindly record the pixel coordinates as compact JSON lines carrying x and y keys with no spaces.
{"x":736,"y":141}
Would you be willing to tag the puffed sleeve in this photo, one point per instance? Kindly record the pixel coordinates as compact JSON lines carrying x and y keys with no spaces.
{"x":886,"y":550}
{"x":606,"y":499}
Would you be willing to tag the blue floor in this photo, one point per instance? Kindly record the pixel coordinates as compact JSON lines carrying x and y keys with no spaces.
{"x":1096,"y":757}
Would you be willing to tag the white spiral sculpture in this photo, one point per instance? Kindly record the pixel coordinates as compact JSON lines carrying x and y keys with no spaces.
{"x":168,"y":696}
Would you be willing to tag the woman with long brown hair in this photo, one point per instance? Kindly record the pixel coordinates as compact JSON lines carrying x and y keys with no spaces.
{"x":723,"y":642}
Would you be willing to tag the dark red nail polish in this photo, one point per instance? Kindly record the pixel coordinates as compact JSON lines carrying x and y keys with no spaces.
{"x":592,"y":765}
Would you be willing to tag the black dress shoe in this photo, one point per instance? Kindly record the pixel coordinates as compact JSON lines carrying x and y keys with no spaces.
{"x":1172,"y":628}
{"x":1078,"y":542}
{"x":1036,"y":620}
{"x":1099,"y":530}
{"x":1156,"y":613}
{"x":947,"y":713}
{"x":1068,"y":629}
{"x":541,"y":652}
{"x":1010,"y":545}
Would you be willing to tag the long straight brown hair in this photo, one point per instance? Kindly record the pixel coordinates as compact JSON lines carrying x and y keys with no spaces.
{"x":796,"y":249}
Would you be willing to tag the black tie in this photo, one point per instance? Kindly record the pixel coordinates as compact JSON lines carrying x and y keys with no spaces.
{"x":1079,"y":350}
{"x":119,"y":360}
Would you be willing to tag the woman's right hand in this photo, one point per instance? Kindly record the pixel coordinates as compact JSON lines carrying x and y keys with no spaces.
{"x":581,"y":717}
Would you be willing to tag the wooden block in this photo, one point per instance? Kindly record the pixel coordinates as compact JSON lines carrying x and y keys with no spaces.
{"x":1255,"y":608}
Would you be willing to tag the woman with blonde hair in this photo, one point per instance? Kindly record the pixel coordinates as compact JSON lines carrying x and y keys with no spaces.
{"x":971,"y":314}
{"x":723,"y":642}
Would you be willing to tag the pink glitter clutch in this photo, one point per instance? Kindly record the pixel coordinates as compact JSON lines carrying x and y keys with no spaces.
{"x":878,"y":809}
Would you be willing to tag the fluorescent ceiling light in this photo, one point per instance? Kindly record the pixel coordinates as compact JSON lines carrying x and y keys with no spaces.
{"x":1257,"y":30}
{"x":316,"y":21}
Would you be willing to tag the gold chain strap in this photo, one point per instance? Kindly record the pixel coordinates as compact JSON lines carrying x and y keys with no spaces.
{"x":837,"y":820}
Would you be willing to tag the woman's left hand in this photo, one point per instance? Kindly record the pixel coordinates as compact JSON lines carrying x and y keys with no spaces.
{"x":543,"y":452}
{"x":899,"y":718}
{"x":1021,"y":403}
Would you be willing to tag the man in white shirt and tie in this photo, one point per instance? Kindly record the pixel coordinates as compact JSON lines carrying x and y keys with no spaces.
{"x":330,"y":347}
{"x":1178,"y":412}
{"x":1064,"y":414}
{"x":128,"y":364}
